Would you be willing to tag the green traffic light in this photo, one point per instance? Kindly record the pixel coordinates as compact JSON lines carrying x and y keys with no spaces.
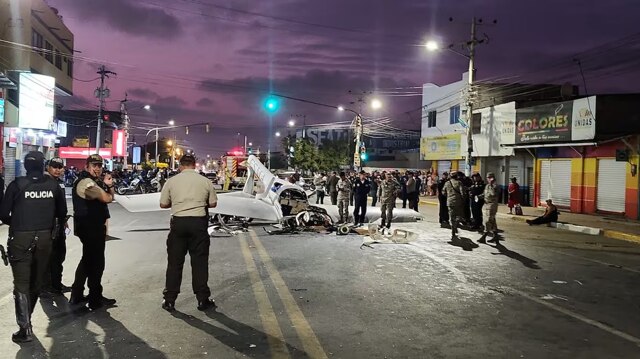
{"x":271,"y":104}
{"x":363,"y":156}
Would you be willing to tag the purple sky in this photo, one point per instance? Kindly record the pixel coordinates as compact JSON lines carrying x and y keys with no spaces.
{"x":214,"y":60}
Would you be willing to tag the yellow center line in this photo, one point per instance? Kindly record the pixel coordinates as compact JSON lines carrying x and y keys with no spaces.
{"x":309,"y":340}
{"x":275,"y":338}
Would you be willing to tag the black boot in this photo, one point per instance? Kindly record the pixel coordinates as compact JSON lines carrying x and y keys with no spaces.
{"x":23,"y":318}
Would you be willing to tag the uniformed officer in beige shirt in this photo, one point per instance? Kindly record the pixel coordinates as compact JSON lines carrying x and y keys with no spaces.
{"x":189,"y":195}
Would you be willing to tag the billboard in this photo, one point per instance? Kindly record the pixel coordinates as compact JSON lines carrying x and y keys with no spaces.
{"x":557,"y":122}
{"x":82,"y":153}
{"x":118,"y":146}
{"x":1,"y":110}
{"x":445,"y":147}
{"x":36,"y":96}
{"x":136,"y":154}
{"x":61,"y":129}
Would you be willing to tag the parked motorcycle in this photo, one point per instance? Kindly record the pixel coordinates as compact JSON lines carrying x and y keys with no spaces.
{"x":136,"y":185}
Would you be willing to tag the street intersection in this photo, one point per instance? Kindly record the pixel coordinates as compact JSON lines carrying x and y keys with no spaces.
{"x":541,"y":293}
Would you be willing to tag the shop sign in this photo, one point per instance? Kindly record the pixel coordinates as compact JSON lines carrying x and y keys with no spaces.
{"x":445,"y":147}
{"x":583,"y":126}
{"x":82,"y":153}
{"x":118,"y":148}
{"x":544,"y":123}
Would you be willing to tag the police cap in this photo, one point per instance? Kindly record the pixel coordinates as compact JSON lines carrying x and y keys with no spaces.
{"x":490,"y":175}
{"x":56,"y":162}
{"x":95,"y":159}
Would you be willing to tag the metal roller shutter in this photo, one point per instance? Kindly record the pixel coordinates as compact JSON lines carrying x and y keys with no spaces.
{"x":444,"y":166}
{"x":555,"y":182}
{"x":10,"y":165}
{"x":612,"y":181}
{"x":514,"y":171}
{"x":462,"y":165}
{"x":561,"y":183}
{"x":545,"y":169}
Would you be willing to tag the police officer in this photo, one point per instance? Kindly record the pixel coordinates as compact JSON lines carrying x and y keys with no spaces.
{"x":442,"y":200}
{"x":491,"y":197}
{"x":344,"y":192}
{"x":388,"y":191}
{"x":361,"y":189}
{"x":477,"y":201}
{"x":30,"y":207}
{"x":53,"y":279}
{"x":90,"y":194}
{"x":456,"y":198}
{"x":188,"y":195}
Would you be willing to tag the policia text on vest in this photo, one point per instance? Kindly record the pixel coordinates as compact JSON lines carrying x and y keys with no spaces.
{"x":30,"y":236}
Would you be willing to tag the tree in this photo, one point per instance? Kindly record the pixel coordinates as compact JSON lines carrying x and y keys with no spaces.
{"x":334,"y":154}
{"x":304,"y":155}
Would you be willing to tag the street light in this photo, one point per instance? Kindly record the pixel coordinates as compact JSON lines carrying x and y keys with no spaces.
{"x":172,"y":122}
{"x":250,"y":143}
{"x":431,"y":45}
{"x":340,"y":108}
{"x":292,"y":123}
{"x":277,"y":133}
{"x":147,"y":107}
{"x":170,"y":143}
{"x":376,"y":104}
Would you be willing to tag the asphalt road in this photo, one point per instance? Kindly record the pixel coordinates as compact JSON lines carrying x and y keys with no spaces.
{"x":542,"y":293}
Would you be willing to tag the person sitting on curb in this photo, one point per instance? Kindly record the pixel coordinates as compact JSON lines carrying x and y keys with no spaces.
{"x":550,"y":215}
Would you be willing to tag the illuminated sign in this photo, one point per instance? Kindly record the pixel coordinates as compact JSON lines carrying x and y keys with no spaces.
{"x":118,"y":144}
{"x":82,"y":153}
{"x":36,"y":95}
{"x":136,"y":154}
{"x":61,"y":130}
{"x":1,"y":110}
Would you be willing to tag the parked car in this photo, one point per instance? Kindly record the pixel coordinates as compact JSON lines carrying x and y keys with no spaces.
{"x":212,"y":176}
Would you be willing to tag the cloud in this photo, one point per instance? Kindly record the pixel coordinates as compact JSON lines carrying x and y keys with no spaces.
{"x":127,"y":16}
{"x":142,"y":93}
{"x":174,"y":101}
{"x":204,"y":102}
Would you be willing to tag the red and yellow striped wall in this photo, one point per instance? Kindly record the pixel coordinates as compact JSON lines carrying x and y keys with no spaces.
{"x":584,"y":179}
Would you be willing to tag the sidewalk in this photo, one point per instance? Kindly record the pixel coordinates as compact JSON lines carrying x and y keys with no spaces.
{"x":608,"y":226}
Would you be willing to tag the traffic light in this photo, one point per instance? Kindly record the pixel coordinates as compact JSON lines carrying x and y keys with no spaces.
{"x":363,"y":153}
{"x":291,"y":151}
{"x":271,"y":104}
{"x":249,"y":150}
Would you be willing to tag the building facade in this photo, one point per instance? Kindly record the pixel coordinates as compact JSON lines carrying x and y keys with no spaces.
{"x":37,"y":60}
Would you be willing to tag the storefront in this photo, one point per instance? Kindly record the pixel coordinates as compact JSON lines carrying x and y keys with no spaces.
{"x":584,"y":165}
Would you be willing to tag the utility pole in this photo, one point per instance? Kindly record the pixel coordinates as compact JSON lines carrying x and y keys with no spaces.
{"x":125,"y":125}
{"x":101,"y":93}
{"x":472,"y":52}
{"x":356,"y":153}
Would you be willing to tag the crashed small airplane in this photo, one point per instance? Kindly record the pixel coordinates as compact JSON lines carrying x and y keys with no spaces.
{"x":269,"y":199}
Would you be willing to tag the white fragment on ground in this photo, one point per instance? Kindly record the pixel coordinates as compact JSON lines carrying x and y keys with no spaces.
{"x":553,"y":296}
{"x":252,"y":345}
{"x":577,"y":281}
{"x":559,"y":282}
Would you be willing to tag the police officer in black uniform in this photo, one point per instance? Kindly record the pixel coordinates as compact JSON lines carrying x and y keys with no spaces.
{"x":91,"y":193}
{"x":30,"y":207}
{"x":443,"y":213}
{"x":361,"y":189}
{"x":53,"y":281}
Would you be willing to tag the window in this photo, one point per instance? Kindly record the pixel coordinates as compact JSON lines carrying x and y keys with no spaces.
{"x":37,"y":41}
{"x":70,"y":67}
{"x":58,"y":59}
{"x":454,"y":114}
{"x":476,"y":123}
{"x":431,"y":119}
{"x":48,"y":54}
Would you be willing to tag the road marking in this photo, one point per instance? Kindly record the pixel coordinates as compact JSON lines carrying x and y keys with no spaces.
{"x":309,"y":340}
{"x":597,"y":261}
{"x":577,"y":316}
{"x":450,"y":267}
{"x":275,"y":338}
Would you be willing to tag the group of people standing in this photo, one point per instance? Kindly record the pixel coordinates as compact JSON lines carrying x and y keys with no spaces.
{"x":35,"y":208}
{"x":467,"y":201}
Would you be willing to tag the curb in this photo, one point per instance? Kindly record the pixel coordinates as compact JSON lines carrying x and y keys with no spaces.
{"x":629,"y":237}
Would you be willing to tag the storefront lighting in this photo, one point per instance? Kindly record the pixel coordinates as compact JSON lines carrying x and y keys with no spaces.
{"x":30,"y":133}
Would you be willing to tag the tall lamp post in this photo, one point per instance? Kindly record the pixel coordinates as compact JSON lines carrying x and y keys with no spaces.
{"x":357,"y":154}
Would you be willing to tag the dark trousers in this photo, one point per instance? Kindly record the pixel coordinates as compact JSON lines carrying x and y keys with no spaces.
{"x":29,"y":254}
{"x":360,"y":203}
{"x":476,"y":212}
{"x":91,"y":266}
{"x":544,"y":220}
{"x":334,"y":198}
{"x":188,"y":235}
{"x":53,"y":279}
{"x":374,"y":199}
{"x":444,"y":211}
{"x":404,"y":199}
{"x":319,"y":197}
{"x":413,"y":198}
{"x":351,"y":198}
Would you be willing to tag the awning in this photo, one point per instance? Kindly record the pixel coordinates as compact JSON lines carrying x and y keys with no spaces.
{"x":562,"y":144}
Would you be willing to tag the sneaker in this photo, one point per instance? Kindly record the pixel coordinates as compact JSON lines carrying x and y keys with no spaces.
{"x":206,"y":304}
{"x":169,"y":306}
